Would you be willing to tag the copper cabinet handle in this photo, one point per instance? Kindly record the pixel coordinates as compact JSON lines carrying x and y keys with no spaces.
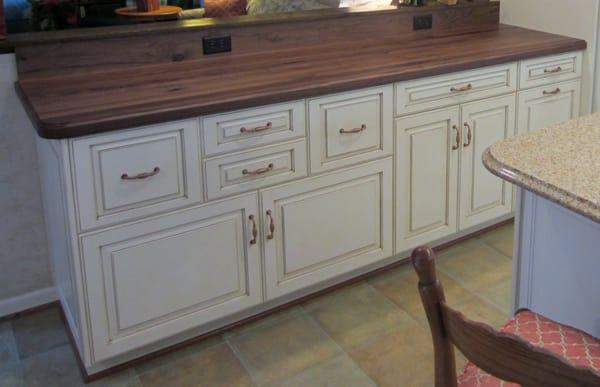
{"x":469,"y":135}
{"x":554,"y":70}
{"x":457,"y":145}
{"x":254,"y":230}
{"x":271,"y":234}
{"x":362,"y":128}
{"x":268,"y":126}
{"x":140,"y":176}
{"x":259,"y":171}
{"x":463,"y":88}
{"x":553,"y":92}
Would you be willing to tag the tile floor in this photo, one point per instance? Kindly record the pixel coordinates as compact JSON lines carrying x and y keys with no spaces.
{"x":373,"y":333}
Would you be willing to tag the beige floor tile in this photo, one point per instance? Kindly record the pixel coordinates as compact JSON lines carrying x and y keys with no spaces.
{"x":54,"y":368}
{"x":267,"y":321}
{"x":8,"y":347}
{"x":340,"y":371}
{"x":499,"y":294}
{"x":180,"y":354}
{"x":474,"y":308}
{"x":216,"y":366}
{"x":11,"y":374}
{"x":127,"y":378}
{"x":476,"y":267}
{"x":357,"y":314}
{"x":500,"y":239}
{"x":274,"y":353}
{"x":38,"y":332}
{"x":402,"y":358}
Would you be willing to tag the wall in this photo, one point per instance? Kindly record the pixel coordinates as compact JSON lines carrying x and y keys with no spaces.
{"x":25,"y":277}
{"x":577,"y":18}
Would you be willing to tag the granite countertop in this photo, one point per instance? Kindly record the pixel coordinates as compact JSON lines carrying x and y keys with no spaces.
{"x":560,"y":163}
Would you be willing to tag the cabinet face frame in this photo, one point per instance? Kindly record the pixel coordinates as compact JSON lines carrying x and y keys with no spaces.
{"x":109,"y":255}
{"x":412,"y":156}
{"x":286,"y":273}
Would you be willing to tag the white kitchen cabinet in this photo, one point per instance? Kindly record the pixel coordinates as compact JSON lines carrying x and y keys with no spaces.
{"x":427,"y":177}
{"x":483,"y":196}
{"x":322,"y":227}
{"x":151,"y":280}
{"x":548,"y":105}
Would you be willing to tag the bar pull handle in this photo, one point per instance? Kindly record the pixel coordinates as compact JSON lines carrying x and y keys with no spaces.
{"x":259,"y":171}
{"x":461,"y":89}
{"x":557,"y":69}
{"x":271,"y":233}
{"x":457,"y":144}
{"x":469,"y":135}
{"x":140,"y":176}
{"x":362,"y":128}
{"x":268,"y":126}
{"x":553,"y":92}
{"x":254,"y":230}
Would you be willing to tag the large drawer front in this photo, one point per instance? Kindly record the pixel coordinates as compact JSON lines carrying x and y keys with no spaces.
{"x":259,"y":168}
{"x":550,"y":69}
{"x":350,"y":127}
{"x":137,"y":173}
{"x":319,"y":228}
{"x":446,"y":90}
{"x":148,"y":281}
{"x":250,"y":128}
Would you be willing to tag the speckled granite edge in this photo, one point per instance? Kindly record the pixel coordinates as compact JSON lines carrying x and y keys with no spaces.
{"x":555,"y":194}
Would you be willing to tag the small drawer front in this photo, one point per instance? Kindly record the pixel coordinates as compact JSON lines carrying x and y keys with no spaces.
{"x":550,"y":69}
{"x":255,"y":169}
{"x":137,"y":173}
{"x":446,"y":90}
{"x":351,"y":127}
{"x":253,"y":127}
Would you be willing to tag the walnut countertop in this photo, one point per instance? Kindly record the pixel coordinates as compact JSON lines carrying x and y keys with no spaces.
{"x":80,"y":104}
{"x":560,"y":163}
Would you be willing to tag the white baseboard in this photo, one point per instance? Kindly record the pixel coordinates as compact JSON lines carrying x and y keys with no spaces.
{"x":27,"y":301}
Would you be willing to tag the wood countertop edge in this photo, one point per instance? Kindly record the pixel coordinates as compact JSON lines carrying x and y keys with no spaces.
{"x":73,"y":126}
{"x":544,"y":189}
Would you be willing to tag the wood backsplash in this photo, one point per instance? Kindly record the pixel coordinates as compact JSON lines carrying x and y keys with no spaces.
{"x":106,"y":54}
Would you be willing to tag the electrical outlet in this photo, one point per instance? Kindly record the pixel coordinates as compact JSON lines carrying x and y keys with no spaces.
{"x":422,"y":22}
{"x":216,"y":44}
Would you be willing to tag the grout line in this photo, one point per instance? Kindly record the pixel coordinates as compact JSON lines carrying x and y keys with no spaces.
{"x":242,"y":361}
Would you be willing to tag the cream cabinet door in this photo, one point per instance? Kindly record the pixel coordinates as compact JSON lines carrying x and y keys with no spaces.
{"x":484,"y":196}
{"x":150,"y":280}
{"x":427,"y":177}
{"x":548,"y":105}
{"x":322,"y":227}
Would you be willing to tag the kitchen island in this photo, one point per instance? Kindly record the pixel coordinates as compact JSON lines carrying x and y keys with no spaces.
{"x":557,"y":245}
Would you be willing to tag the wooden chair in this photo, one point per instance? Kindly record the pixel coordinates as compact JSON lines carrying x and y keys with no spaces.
{"x":509,"y":355}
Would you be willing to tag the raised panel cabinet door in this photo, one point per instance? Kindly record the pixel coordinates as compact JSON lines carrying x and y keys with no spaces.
{"x":426,"y":177}
{"x":323,"y":227}
{"x":151,"y":280}
{"x":484,"y":196}
{"x":550,"y":105}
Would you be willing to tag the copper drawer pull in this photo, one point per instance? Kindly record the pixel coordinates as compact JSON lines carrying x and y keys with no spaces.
{"x":554,"y":70}
{"x":553,"y":92}
{"x":259,"y":171}
{"x":362,"y":128}
{"x":254,"y":230}
{"x":140,"y":176}
{"x":469,"y":135}
{"x":463,"y":88}
{"x":271,"y":234}
{"x":457,"y":145}
{"x":268,"y":126}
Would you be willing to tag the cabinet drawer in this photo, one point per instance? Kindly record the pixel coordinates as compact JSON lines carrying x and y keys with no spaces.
{"x":445,"y":90}
{"x":255,"y":169}
{"x":351,"y":127}
{"x":253,"y":127}
{"x":136,"y":173}
{"x":550,"y":69}
{"x":151,"y":280}
{"x":325,"y":226}
{"x":548,"y":105}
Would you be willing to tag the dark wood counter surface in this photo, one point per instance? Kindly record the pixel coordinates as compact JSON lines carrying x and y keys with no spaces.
{"x":80,"y":104}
